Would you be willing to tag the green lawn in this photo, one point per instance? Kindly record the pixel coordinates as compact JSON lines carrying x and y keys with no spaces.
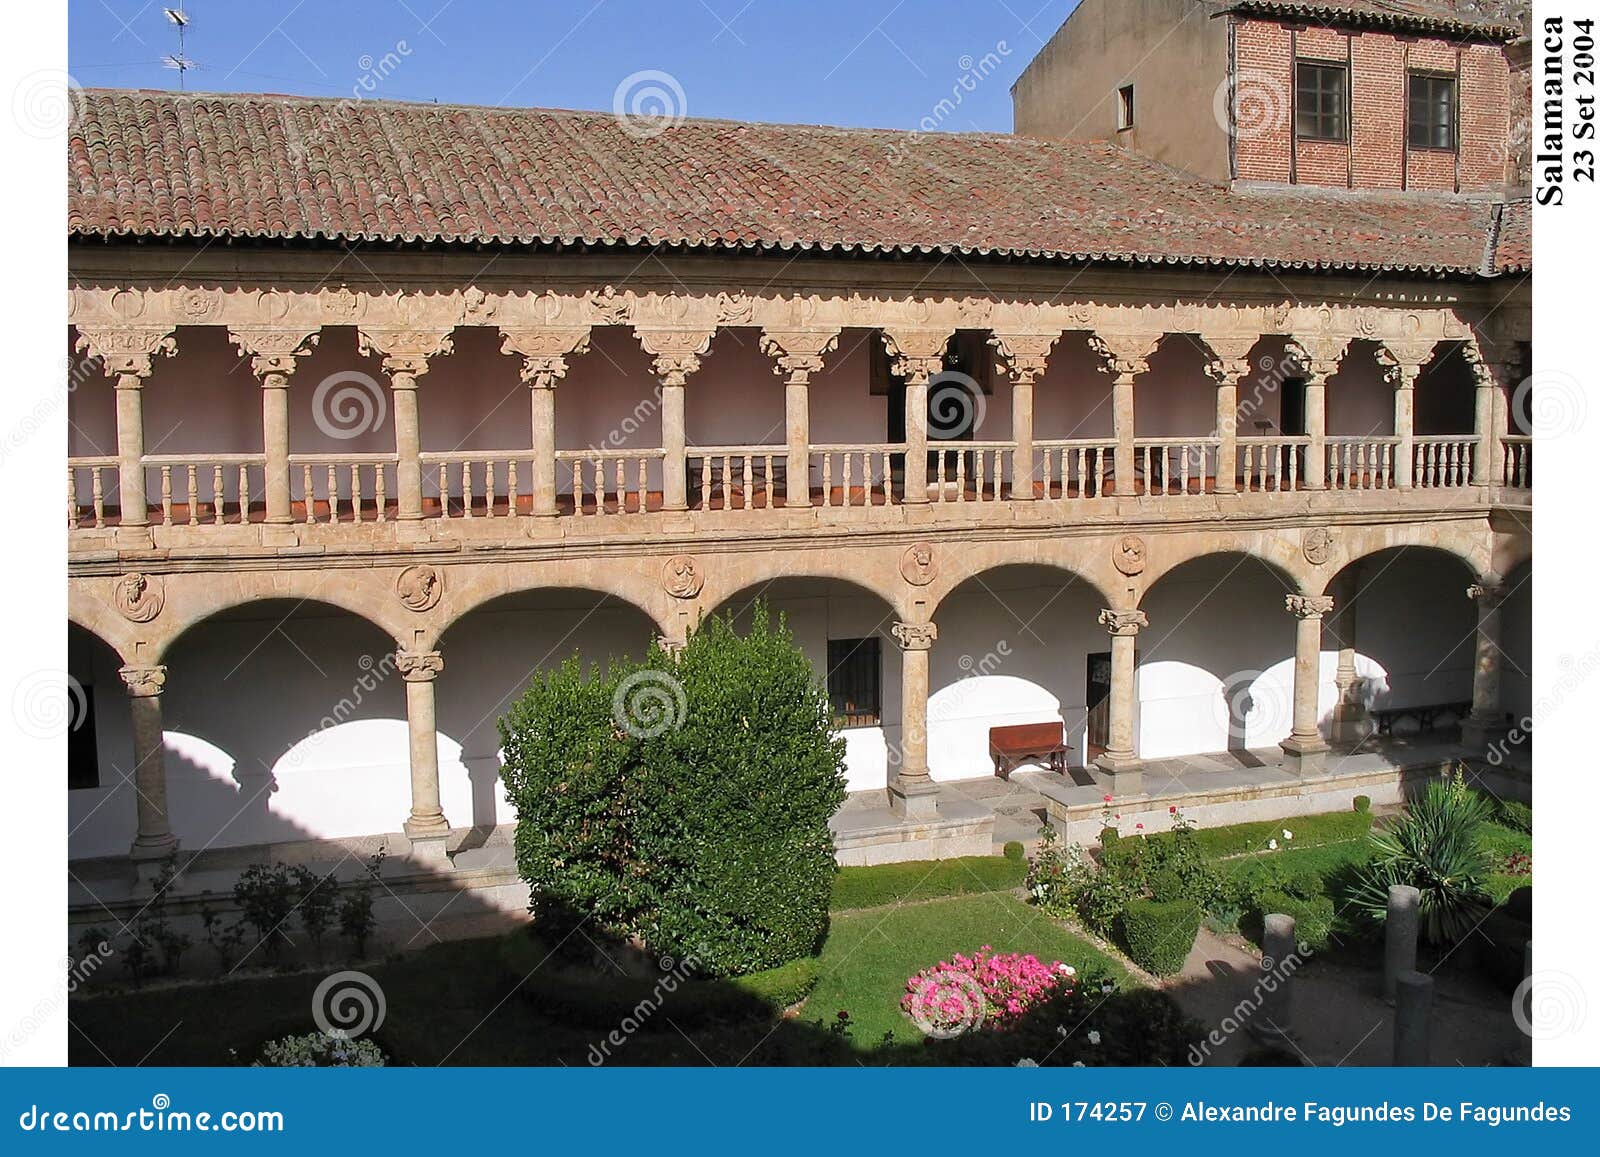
{"x":870,"y":954}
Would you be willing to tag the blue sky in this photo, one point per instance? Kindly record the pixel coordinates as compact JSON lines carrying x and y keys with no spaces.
{"x":850,"y":62}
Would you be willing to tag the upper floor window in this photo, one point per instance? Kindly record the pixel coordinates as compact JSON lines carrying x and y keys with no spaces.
{"x":1320,"y":101}
{"x":1431,"y":119}
{"x":1125,"y":107}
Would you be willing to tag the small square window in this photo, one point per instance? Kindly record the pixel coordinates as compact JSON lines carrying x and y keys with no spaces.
{"x":1431,"y":117}
{"x":1321,"y":94}
{"x":1125,"y":107}
{"x":855,"y":682}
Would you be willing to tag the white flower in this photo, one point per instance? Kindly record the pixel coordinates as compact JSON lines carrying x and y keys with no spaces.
{"x":1067,"y":970}
{"x":1107,"y":988}
{"x":1272,"y":845}
{"x":1094,"y":1037}
{"x":1026,"y":1063}
{"x":1061,"y":1031}
{"x":1077,"y":1064}
{"x":1287,"y":834}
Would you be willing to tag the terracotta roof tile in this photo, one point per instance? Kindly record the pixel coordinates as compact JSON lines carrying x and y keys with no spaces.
{"x":1464,"y":19}
{"x":160,"y":164}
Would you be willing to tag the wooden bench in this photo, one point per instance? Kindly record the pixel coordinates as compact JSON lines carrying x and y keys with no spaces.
{"x":1010,"y":747}
{"x":1426,"y":717}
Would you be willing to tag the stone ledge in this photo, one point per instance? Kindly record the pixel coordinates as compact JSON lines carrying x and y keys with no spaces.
{"x":874,"y":835}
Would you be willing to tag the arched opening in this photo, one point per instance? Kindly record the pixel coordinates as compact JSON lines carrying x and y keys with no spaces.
{"x":846,"y":633}
{"x":1216,"y":663}
{"x":1017,"y":645}
{"x":1404,"y":634}
{"x":285,"y":720}
{"x":490,"y":653}
{"x":1516,"y":641}
{"x":100,"y":802}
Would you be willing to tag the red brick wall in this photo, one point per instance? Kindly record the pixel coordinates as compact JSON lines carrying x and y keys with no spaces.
{"x":1264,"y":110}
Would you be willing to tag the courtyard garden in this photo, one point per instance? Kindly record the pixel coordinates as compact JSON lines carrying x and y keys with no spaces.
{"x":686,"y":910}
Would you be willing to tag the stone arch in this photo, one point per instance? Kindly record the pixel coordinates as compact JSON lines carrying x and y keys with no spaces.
{"x":366,"y":594}
{"x":874,"y":572}
{"x":1350,"y":547}
{"x":1045,"y":556}
{"x":1216,"y":662}
{"x":1281,"y":552}
{"x":634,"y":581}
{"x":93,"y":614}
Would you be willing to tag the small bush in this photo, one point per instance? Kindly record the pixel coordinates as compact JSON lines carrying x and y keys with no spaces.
{"x":1014,"y":850}
{"x":1362,"y":803}
{"x":1515,"y":815}
{"x":1157,"y":935}
{"x":1313,"y":916}
{"x":320,"y":1050}
{"x":880,"y":884}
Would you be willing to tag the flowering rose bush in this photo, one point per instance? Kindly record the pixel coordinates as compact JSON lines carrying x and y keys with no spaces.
{"x":987,"y":987}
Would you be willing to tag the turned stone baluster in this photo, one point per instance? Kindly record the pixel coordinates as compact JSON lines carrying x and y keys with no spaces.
{"x":166,"y":496}
{"x":97,"y":496}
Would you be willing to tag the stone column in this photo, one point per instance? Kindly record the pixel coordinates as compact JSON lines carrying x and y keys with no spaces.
{"x":1402,"y":362}
{"x":1400,"y":929}
{"x":1317,"y":425}
{"x":912,"y":793}
{"x":154,"y":839}
{"x":798,"y":354}
{"x":1280,"y":959}
{"x":544,"y":355}
{"x":1413,"y":1009}
{"x":128,"y":357}
{"x":1493,"y":371}
{"x":676,"y":355}
{"x":405,"y":359}
{"x":1487,"y":720}
{"x":274,"y":354}
{"x":426,"y":826}
{"x":1227,"y":369}
{"x":917,"y":357}
{"x":1305,"y":747}
{"x":1350,"y":724}
{"x":1120,"y":760}
{"x":1126,"y":356}
{"x":1023,"y":358}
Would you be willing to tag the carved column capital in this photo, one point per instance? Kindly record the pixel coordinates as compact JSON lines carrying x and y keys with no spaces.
{"x":545,"y":351}
{"x":144,"y":682}
{"x":1125,"y":354}
{"x":1308,"y":606}
{"x":1488,"y":594}
{"x":1491,"y":365}
{"x":1024,"y":356}
{"x":405,"y":353}
{"x":797,"y":354}
{"x":1229,"y":363}
{"x":915,"y":636}
{"x":1123,"y":622}
{"x":273,"y":353}
{"x":676,"y":352}
{"x":127,"y":353}
{"x":917,"y":355}
{"x":419,"y":666}
{"x":1318,"y":356}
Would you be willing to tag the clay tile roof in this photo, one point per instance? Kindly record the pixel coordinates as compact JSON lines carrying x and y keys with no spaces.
{"x":159,"y":164}
{"x":1462,"y":19}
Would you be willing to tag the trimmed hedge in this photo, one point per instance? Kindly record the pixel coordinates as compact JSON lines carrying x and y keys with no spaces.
{"x":873,"y":887}
{"x":1309,"y":832}
{"x":1313,"y":916}
{"x":682,"y":802}
{"x":1157,"y":935}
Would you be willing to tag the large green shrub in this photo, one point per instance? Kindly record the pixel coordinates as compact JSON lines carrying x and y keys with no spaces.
{"x":1158,"y":934}
{"x":684,"y":800}
{"x":1436,"y":848}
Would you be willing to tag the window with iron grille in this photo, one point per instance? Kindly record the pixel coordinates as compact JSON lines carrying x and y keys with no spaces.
{"x":1321,"y":98}
{"x":1431,"y":123}
{"x":855,"y":682}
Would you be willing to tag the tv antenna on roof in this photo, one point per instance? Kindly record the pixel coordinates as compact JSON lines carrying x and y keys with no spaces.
{"x":178,"y":62}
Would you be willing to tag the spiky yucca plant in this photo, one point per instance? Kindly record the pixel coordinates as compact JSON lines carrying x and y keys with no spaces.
{"x":1436,"y":849}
